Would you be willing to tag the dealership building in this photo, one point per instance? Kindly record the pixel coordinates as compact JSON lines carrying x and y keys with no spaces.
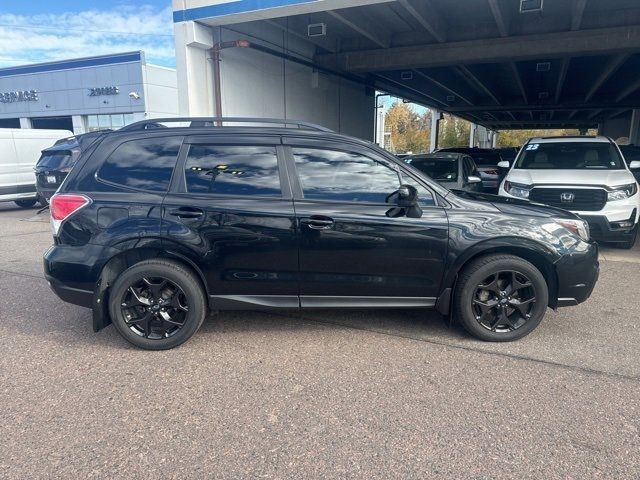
{"x":86,"y":94}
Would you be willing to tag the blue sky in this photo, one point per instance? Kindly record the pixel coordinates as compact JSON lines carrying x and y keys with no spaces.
{"x":44,"y":30}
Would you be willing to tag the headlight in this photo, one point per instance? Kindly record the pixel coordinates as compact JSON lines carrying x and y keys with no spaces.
{"x":577,"y":227}
{"x":623,"y":192}
{"x":517,"y":189}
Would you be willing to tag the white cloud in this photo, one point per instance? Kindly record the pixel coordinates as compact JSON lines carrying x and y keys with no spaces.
{"x":91,"y":32}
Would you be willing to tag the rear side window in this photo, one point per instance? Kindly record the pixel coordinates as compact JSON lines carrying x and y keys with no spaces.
{"x":344,"y":176}
{"x":233,"y":170}
{"x":145,"y":164}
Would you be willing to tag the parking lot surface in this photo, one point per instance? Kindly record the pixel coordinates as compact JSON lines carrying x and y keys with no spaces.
{"x":322,"y":394}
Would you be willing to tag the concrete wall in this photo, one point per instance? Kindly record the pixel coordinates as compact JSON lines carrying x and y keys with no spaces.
{"x":616,"y":128}
{"x":161,"y":91}
{"x":258,"y":84}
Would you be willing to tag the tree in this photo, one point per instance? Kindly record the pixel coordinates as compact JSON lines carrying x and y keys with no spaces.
{"x":454,"y":132}
{"x":409,"y":129}
{"x":515,"y":138}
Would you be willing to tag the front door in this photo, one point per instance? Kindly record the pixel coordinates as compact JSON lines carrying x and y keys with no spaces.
{"x":230,"y":211}
{"x":352,"y":251}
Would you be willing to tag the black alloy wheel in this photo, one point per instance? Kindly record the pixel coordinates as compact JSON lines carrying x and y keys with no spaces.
{"x":500,"y":297}
{"x":157,"y":304}
{"x":503,"y":301}
{"x":154,"y":308}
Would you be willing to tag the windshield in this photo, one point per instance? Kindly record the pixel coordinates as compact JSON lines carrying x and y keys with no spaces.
{"x":570,"y":156}
{"x":55,"y":160}
{"x":440,"y":169}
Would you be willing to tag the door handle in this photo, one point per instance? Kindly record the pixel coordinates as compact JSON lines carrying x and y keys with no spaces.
{"x":317,"y":222}
{"x":187,"y":212}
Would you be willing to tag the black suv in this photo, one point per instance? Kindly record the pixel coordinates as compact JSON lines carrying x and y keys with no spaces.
{"x":154,"y":228}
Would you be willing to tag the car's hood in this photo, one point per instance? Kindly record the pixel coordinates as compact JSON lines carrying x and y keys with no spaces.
{"x":609,"y":178}
{"x":515,"y":206}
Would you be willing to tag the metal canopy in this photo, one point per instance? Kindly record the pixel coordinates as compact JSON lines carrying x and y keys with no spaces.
{"x":573,"y":64}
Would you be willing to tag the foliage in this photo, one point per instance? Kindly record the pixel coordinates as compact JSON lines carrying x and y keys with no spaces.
{"x":515,"y":138}
{"x":409,"y":129}
{"x":454,"y":132}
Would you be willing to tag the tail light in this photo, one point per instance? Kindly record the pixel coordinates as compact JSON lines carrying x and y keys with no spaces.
{"x":63,"y":205}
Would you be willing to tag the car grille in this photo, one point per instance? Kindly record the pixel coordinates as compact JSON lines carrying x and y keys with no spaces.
{"x":581,"y":199}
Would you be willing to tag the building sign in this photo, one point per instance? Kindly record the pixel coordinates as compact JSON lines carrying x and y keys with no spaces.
{"x":19,"y":96}
{"x":99,"y":91}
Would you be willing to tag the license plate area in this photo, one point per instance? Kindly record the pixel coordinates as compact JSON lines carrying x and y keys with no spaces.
{"x":51,"y":179}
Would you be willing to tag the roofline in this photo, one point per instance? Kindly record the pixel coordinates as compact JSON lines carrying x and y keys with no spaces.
{"x":83,"y":62}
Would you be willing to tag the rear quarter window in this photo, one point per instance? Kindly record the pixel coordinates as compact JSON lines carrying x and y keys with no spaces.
{"x":144,"y":164}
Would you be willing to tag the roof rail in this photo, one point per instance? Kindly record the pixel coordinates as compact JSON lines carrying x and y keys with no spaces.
{"x":218,"y":122}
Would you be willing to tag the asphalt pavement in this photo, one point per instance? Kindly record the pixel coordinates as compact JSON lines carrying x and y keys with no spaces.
{"x":322,"y":394}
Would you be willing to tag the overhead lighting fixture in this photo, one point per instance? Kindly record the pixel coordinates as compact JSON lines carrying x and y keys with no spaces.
{"x":543,"y":66}
{"x":531,"y":6}
{"x":451,"y":98}
{"x":543,"y":95}
{"x":316,"y":30}
{"x":406,"y":75}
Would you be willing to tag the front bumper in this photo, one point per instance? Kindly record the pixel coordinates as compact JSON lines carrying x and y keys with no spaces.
{"x":577,"y":274}
{"x":603,"y":230}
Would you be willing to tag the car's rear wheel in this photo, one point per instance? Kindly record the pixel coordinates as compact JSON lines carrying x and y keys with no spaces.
{"x":499,"y":298}
{"x":26,"y":202}
{"x":157,"y":304}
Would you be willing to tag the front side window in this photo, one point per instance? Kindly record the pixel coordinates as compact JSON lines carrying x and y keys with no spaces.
{"x":145,"y":164}
{"x":569,"y":156}
{"x":233,"y":170}
{"x":344,"y":176}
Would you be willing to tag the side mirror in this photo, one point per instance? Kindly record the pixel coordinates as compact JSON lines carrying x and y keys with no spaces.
{"x":504,"y":164}
{"x":474,"y":179}
{"x":405,"y":200}
{"x":634,"y":165}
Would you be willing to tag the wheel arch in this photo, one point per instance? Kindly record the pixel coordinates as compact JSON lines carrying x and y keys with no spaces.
{"x":119,"y":262}
{"x":541,"y":256}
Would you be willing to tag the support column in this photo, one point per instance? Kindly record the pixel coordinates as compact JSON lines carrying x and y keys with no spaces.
{"x":193,"y":65}
{"x":472,"y":135}
{"x":634,"y":130}
{"x":435,"y":129}
{"x":494,"y":139}
{"x":25,"y":123}
{"x":79,"y":124}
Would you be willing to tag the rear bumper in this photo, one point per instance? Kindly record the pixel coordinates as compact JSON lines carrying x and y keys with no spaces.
{"x":77,"y":296}
{"x":578,"y":273}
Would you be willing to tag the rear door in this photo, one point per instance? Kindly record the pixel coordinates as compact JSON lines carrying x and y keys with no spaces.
{"x":230,"y":211}
{"x":352,"y":251}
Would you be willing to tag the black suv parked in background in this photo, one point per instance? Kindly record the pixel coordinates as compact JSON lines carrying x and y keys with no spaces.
{"x":58,"y":160}
{"x":155,"y":227}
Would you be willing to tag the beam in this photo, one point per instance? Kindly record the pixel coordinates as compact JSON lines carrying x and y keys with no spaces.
{"x":502,"y":21}
{"x":403,"y":86}
{"x":366,"y":29}
{"x":445,"y":87}
{"x":577,"y":12}
{"x":518,"y":78}
{"x":521,"y":107}
{"x":562,"y":75}
{"x":424,"y":13}
{"x":610,"y":68}
{"x":476,"y":82}
{"x":595,"y":113}
{"x":632,"y":87}
{"x":496,"y":50}
{"x":541,"y":123}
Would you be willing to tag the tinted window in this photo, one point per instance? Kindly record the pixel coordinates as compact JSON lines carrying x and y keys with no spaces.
{"x":344,"y":176}
{"x":145,"y":164}
{"x":55,"y":160}
{"x":233,"y":170}
{"x":440,"y":169}
{"x":570,"y":156}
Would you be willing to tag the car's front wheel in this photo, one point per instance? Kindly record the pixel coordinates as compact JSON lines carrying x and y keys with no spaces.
{"x":500,"y":298}
{"x":157,"y":304}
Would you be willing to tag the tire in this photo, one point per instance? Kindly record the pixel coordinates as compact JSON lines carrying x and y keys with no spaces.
{"x":26,"y":202}
{"x":495,"y":272}
{"x":629,"y":244}
{"x":161,"y":276}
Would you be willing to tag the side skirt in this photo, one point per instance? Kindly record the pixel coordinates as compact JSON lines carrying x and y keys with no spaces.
{"x":260,"y":302}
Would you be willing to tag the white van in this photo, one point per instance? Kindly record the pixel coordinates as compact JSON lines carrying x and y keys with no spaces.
{"x":20,"y":150}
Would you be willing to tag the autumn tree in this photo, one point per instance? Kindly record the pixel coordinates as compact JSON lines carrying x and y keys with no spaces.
{"x":409,"y":129}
